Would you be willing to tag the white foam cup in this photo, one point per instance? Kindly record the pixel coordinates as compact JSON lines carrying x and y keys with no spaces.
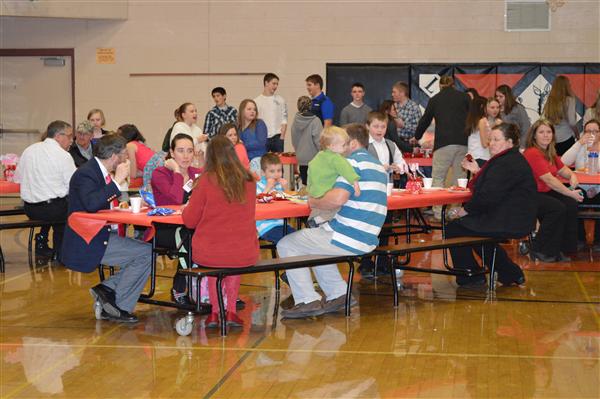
{"x":136,"y":204}
{"x":427,"y":182}
{"x":462,"y":182}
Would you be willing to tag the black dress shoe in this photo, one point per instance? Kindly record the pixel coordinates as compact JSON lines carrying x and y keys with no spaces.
{"x":106,"y":296}
{"x":544,"y":258}
{"x":239,"y":304}
{"x":562,"y":257}
{"x":123,"y":317}
{"x":182,"y":300}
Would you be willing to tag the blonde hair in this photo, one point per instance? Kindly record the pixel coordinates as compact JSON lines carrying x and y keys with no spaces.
{"x":554,"y":110}
{"x":97,"y":111}
{"x":330,"y":134}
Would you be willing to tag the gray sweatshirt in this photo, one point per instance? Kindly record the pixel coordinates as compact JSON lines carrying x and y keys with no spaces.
{"x":306,"y":132}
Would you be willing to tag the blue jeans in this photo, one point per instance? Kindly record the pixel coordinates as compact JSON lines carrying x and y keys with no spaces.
{"x":276,"y":234}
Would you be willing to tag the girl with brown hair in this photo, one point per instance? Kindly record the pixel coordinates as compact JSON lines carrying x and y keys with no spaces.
{"x":221,"y":210}
{"x":560,"y":111}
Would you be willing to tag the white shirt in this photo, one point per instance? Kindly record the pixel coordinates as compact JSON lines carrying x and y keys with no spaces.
{"x":181,"y":127}
{"x":44,"y":171}
{"x":383,"y":153}
{"x":273,"y":111}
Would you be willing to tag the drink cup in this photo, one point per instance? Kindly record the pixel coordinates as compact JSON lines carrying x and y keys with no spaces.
{"x":427,"y":182}
{"x":390,"y":187}
{"x":462,"y":182}
{"x":136,"y":204}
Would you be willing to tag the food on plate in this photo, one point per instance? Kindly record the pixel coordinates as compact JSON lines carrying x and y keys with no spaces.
{"x":123,"y":205}
{"x":457,"y":188}
{"x":264,"y":198}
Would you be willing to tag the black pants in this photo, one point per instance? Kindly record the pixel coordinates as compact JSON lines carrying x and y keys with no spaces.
{"x":463,"y":258}
{"x":55,"y":211}
{"x":303,"y":174}
{"x":165,"y":238}
{"x":558,"y":224}
{"x":275,"y":144}
{"x":561,"y":148}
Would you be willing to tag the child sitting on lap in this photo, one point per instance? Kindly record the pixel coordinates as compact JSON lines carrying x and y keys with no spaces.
{"x":326,"y":167}
{"x":271,"y":180}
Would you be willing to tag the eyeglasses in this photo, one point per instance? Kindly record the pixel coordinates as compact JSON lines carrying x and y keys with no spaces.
{"x":595,"y":131}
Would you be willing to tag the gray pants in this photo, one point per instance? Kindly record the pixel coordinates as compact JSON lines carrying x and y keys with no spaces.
{"x":315,"y":241}
{"x":133,"y":258}
{"x":445,"y":158}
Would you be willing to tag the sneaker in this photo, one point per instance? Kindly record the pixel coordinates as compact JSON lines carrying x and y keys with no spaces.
{"x":233,"y":320}
{"x":303,"y":310}
{"x":337,"y":304}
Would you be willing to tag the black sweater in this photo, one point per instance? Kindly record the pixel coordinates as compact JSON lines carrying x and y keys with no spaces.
{"x":449,"y":108}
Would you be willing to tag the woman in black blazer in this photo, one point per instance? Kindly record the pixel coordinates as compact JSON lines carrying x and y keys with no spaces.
{"x":502,"y":206}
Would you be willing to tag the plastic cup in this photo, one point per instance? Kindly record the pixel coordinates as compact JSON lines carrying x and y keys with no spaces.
{"x":462,"y":182}
{"x":136,"y":204}
{"x":390,"y":187}
{"x":427,"y":182}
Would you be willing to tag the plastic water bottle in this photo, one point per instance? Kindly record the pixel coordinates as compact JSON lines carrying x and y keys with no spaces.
{"x":592,"y":162}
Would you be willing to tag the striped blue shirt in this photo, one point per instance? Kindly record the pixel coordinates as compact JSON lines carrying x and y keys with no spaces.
{"x":262,"y":226}
{"x":357,"y":224}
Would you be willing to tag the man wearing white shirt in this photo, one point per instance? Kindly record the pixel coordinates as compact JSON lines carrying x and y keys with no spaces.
{"x":44,"y":171}
{"x":272,"y":109}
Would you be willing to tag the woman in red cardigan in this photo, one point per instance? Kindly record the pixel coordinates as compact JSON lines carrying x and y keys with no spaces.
{"x":221,"y":210}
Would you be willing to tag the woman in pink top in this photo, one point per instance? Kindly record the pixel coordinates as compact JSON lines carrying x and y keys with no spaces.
{"x":139,"y":153}
{"x":230,"y":131}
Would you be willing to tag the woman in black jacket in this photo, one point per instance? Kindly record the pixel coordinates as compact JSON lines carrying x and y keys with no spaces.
{"x":502,"y":206}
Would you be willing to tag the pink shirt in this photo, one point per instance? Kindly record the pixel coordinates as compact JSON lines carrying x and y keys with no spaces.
{"x":143,"y":154}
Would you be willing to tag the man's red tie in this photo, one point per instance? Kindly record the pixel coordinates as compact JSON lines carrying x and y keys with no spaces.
{"x":115,"y":204}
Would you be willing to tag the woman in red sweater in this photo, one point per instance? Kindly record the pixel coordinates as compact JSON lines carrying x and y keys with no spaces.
{"x":221,"y":210}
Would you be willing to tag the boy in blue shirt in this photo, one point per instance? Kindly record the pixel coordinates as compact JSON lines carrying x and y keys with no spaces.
{"x":321,"y":105}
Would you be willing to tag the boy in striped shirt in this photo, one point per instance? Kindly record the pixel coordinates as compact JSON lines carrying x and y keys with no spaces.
{"x":354,"y":230}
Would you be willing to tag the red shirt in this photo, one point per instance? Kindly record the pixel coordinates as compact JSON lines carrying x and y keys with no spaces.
{"x":225,"y":233}
{"x":540,"y":166}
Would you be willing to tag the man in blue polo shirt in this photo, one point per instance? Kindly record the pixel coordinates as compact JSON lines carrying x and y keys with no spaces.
{"x":353,"y":231}
{"x":321,"y":106}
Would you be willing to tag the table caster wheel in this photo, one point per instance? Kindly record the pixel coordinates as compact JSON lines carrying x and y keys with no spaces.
{"x":184,"y":325}
{"x":98,"y":310}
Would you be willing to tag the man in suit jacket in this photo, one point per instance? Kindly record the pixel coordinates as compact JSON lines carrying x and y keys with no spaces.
{"x":82,"y":149}
{"x":92,"y":189}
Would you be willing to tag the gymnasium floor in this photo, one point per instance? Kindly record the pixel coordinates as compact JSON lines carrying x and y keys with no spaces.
{"x":539,"y":341}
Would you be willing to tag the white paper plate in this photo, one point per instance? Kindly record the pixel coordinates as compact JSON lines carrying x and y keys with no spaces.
{"x":143,"y":209}
{"x":434,"y":189}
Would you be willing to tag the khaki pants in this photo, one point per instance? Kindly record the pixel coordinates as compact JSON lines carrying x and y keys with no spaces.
{"x":445,"y":158}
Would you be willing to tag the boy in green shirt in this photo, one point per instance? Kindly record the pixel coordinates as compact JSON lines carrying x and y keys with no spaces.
{"x":326,"y":167}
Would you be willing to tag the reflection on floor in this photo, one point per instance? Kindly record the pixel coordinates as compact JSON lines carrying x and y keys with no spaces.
{"x":541,"y":340}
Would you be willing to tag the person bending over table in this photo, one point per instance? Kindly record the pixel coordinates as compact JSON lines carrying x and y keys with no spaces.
{"x":92,"y":189}
{"x":557,"y":204}
{"x":172,"y":185}
{"x":352,"y":231}
{"x":222,"y":212}
{"x":501,"y":206}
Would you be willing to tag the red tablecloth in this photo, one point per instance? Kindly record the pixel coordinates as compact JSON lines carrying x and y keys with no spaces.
{"x":87,"y":225}
{"x":7,"y":187}
{"x":288,"y":160}
{"x":421,"y":161}
{"x":584,"y":178}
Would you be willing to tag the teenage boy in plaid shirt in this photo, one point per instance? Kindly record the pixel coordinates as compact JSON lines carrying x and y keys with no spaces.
{"x":220,"y":114}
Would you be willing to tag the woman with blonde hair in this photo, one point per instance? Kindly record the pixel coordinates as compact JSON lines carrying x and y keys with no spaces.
{"x":221,"y":210}
{"x":97,"y":119}
{"x":557,"y":203}
{"x":253,"y":133}
{"x":560,"y":111}
{"x":593,"y":112}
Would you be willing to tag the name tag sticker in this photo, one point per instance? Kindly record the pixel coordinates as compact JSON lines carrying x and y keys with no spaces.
{"x":188,"y":186}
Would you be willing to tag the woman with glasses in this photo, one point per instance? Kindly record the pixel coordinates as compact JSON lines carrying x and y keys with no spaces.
{"x":589,"y":141}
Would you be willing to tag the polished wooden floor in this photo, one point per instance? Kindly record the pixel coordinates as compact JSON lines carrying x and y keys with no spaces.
{"x":539,"y":341}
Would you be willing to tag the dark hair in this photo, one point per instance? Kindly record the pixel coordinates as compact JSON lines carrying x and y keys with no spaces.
{"x":178,"y":136}
{"x":130,"y":133}
{"x":473,"y":91}
{"x":476,"y":112}
{"x":550,"y":151}
{"x":219,"y":90}
{"x":57,"y":127}
{"x":384,"y":108}
{"x":269,"y":159}
{"x":269,"y":77}
{"x":108,"y":145}
{"x":223,"y":163}
{"x":180,"y":111}
{"x":509,"y":98}
{"x":358,"y":132}
{"x":596,"y":121}
{"x":315,"y":79}
{"x":509,"y":131}
{"x":227,"y":127}
{"x":446,"y":81}
{"x":358,"y":84}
